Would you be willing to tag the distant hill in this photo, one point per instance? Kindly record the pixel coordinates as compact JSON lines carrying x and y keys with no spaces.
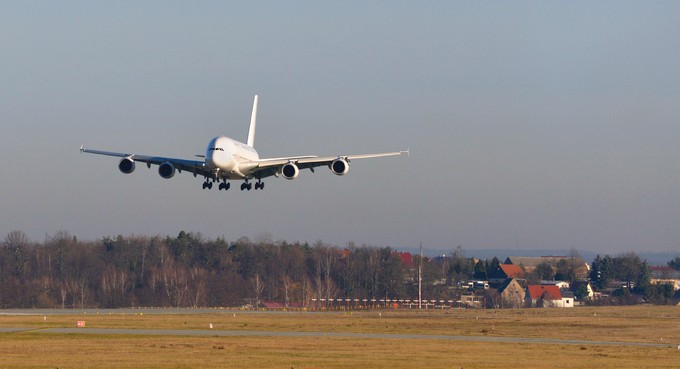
{"x":653,"y":258}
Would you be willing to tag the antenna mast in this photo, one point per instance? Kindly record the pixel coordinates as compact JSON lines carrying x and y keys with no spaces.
{"x":420,"y":278}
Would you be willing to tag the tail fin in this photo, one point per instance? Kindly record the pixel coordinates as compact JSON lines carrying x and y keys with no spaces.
{"x":253,"y":119}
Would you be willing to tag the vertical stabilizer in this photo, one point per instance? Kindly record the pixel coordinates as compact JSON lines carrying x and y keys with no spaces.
{"x":251,"y":130}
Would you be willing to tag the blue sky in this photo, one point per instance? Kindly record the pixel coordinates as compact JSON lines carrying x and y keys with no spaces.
{"x":531,"y":124}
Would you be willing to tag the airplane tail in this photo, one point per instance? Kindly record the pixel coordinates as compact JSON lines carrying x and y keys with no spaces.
{"x":251,"y":130}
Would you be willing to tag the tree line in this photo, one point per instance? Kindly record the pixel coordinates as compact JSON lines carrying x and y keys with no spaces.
{"x":191,"y":271}
{"x":187,"y":271}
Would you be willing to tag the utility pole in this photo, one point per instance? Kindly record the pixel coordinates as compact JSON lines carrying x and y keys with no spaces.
{"x":420,"y":278}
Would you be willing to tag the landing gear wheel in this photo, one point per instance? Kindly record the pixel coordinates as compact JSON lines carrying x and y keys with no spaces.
{"x":209,"y":185}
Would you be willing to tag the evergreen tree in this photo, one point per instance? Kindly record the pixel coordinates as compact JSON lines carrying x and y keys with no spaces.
{"x":675,"y":263}
{"x":480,"y":271}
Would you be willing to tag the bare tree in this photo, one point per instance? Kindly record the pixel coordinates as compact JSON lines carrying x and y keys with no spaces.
{"x":176,"y":283}
{"x":287,"y":283}
{"x":307,"y":291}
{"x":16,"y":242}
{"x":198,"y":276}
{"x":258,"y":287}
{"x":328,"y":257}
{"x":63,"y":293}
{"x":16,"y":239}
{"x":82,"y":290}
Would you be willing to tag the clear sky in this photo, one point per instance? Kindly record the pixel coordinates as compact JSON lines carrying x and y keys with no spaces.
{"x":531,"y":124}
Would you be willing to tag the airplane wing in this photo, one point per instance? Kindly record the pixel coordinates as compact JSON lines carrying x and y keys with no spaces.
{"x":271,"y":167}
{"x":192,"y":166}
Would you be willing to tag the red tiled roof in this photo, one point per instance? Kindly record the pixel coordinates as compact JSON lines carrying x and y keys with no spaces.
{"x":546,"y":292}
{"x":406,"y":258}
{"x":512,"y":271}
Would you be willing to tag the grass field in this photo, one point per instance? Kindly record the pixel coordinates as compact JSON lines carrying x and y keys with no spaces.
{"x":645,"y":324}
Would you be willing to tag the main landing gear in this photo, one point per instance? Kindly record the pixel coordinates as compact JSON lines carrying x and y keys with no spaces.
{"x":224,"y":185}
{"x":259,"y":185}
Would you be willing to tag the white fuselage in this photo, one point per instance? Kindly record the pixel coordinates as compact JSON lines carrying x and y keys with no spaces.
{"x":224,"y":155}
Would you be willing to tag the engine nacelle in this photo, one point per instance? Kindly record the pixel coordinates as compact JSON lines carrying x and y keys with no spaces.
{"x":126,"y":165}
{"x":290,"y":171}
{"x":339,"y":166}
{"x":166,"y":170}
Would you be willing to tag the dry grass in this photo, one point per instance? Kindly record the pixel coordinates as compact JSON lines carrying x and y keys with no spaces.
{"x":628,"y":324}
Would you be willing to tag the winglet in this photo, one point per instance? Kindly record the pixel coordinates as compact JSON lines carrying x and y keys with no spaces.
{"x":407,"y":152}
{"x":253,"y":120}
{"x":82,"y":148}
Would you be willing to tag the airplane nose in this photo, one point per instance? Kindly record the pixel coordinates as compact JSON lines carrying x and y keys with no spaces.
{"x":218,"y":160}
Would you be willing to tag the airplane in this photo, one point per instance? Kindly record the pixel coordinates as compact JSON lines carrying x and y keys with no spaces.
{"x":227,"y":159}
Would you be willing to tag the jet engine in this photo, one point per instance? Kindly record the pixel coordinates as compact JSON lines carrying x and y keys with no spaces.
{"x":126,"y":165}
{"x":290,"y":171}
{"x":166,"y":170}
{"x":339,"y":166}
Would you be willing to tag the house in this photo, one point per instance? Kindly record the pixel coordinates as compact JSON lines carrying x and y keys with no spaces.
{"x":406,"y":258}
{"x":665,"y":275}
{"x":505,"y":272}
{"x":546,"y":296}
{"x":471,"y":301}
{"x":513,"y":292}
{"x":560,"y":284}
{"x":567,"y":298}
{"x":530,"y":263}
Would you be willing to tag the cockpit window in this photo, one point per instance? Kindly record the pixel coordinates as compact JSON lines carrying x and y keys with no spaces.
{"x":216,"y":149}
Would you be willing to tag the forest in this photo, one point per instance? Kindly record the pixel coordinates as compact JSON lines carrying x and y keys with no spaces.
{"x":191,"y":271}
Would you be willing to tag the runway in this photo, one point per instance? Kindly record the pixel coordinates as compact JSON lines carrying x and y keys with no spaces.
{"x":240,"y":333}
{"x":236,"y":333}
